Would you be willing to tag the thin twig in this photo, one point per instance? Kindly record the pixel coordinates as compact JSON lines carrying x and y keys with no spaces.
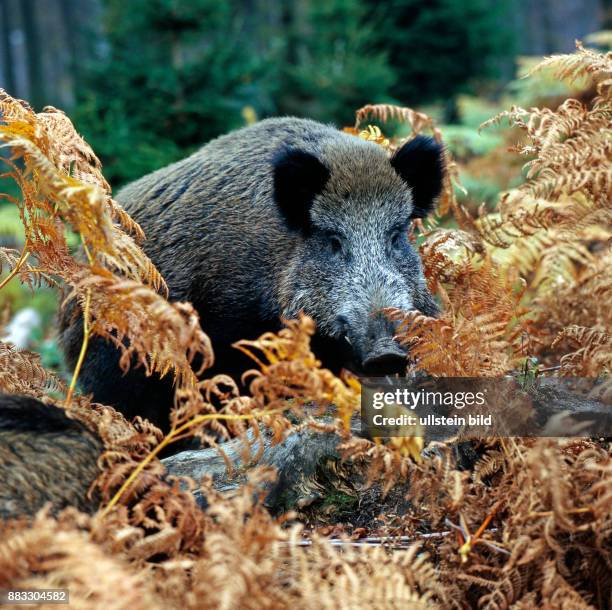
{"x":550,"y":368}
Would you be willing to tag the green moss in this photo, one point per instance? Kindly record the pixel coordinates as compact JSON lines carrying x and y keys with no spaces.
{"x":340,"y":500}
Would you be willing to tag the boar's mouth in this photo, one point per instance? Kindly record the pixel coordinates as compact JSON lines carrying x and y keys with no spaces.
{"x":374,"y":347}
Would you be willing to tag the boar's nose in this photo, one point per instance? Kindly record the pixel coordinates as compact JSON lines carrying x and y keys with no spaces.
{"x":386,"y":360}
{"x":384,"y":356}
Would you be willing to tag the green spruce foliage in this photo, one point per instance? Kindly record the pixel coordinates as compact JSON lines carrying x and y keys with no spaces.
{"x":172,"y":74}
{"x":439,"y":48}
{"x":333,"y":66}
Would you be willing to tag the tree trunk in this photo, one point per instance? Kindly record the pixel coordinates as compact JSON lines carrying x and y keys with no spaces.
{"x":7,"y":50}
{"x":33,"y":51}
{"x":313,"y":481}
{"x":67,"y":11}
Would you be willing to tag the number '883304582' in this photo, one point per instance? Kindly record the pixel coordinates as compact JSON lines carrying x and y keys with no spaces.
{"x":34,"y":596}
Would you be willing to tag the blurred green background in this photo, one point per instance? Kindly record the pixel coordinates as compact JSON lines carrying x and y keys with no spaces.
{"x":148,"y":81}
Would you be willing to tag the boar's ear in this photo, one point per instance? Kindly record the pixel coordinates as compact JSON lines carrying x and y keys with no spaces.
{"x":298,"y":178}
{"x":420,"y":163}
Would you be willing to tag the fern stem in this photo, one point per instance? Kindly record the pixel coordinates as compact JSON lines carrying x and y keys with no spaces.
{"x":79,"y":364}
{"x":86,"y":330}
{"x":22,"y":259}
{"x":484,"y":524}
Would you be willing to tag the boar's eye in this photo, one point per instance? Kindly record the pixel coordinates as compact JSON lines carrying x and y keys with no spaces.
{"x":398,"y":238}
{"x":334,"y":243}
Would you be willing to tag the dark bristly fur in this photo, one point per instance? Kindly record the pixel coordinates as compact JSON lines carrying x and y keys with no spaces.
{"x":279,"y":217}
{"x":44,"y":457}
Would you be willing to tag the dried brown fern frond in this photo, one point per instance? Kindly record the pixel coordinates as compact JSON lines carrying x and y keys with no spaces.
{"x":162,"y":336}
{"x":479,"y":332}
{"x":53,"y":133}
{"x":252,"y":551}
{"x":389,"y":463}
{"x":291,"y":371}
{"x":592,"y":355}
{"x":161,"y":519}
{"x":543,"y":496}
{"x":152,"y":515}
{"x":521,"y":215}
{"x":289,"y":378}
{"x":564,"y":206}
{"x":371,"y":133}
{"x":21,"y":372}
{"x":116,"y":285}
{"x":52,"y":193}
{"x":554,"y":230}
{"x":445,"y":254}
{"x":17,"y":265}
{"x":270,"y":567}
{"x":571,"y":146}
{"x":329,"y":579}
{"x":581,"y":302}
{"x":584,"y":62}
{"x":554,"y":494}
{"x":48,"y":554}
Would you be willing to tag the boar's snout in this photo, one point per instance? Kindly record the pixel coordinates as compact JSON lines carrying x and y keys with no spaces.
{"x":374,"y":347}
{"x":386,"y":358}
